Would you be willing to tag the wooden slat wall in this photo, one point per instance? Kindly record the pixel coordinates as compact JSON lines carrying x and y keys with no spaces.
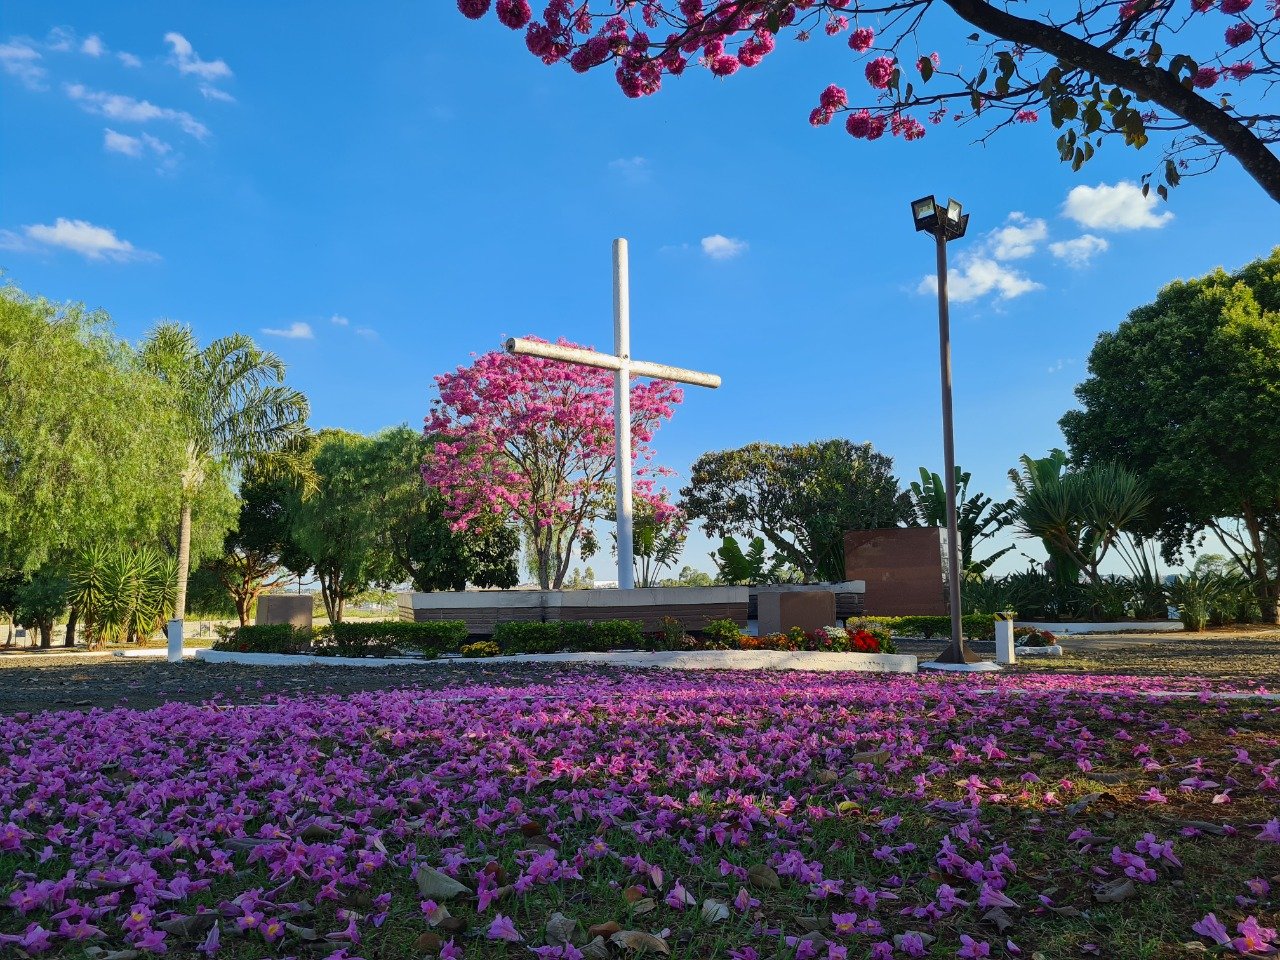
{"x":481,"y":621}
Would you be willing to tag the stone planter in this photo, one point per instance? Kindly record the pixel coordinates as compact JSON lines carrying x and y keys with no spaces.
{"x":1052,"y":651}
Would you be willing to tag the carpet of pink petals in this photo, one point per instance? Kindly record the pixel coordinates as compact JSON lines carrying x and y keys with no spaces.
{"x":896,"y":816}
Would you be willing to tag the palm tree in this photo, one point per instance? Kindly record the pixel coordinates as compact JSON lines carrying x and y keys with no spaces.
{"x":1078,"y":514}
{"x":235,"y":408}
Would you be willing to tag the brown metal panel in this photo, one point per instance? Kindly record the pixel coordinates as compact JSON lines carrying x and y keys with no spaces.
{"x":904,"y":568}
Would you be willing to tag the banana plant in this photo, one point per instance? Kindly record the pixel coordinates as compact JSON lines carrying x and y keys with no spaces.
{"x":978,"y":517}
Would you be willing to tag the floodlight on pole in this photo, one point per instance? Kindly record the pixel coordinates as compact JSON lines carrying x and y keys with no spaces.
{"x":947,"y":223}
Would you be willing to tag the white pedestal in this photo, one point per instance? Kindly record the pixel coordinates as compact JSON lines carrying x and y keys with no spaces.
{"x":1005,"y":652}
{"x":174,"y":633}
{"x":982,"y":666}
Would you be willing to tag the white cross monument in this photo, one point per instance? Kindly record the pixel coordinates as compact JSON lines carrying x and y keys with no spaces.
{"x":624,"y":369}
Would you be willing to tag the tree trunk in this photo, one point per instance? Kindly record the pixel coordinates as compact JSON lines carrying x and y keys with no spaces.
{"x":46,"y":634}
{"x":184,"y":561}
{"x":242,"y":609}
{"x":72,"y":617}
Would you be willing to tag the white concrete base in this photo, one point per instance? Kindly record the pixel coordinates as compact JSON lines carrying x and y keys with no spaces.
{"x":1114,"y":626}
{"x":982,"y":666}
{"x":666,"y":660}
{"x":1054,"y":650}
{"x":153,"y":653}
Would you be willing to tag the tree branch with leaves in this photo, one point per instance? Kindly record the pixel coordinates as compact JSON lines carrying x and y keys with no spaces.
{"x":1196,"y":73}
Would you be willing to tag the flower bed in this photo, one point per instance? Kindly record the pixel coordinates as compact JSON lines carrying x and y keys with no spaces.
{"x":740,"y":816}
{"x":431,"y":639}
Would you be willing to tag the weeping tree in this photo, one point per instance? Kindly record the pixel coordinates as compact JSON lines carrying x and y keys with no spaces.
{"x":234,"y":406}
{"x":978,"y":517}
{"x":1079,"y":515}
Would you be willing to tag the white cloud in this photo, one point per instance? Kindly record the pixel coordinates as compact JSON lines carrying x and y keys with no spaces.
{"x":1059,"y":365}
{"x":976,"y":277}
{"x":367,"y":332}
{"x":1120,"y":206}
{"x":719,"y":247}
{"x":79,"y":236}
{"x":1018,"y":238}
{"x":20,"y":59}
{"x":210,"y":92}
{"x":295,"y":331}
{"x":128,"y":59}
{"x":60,"y":39}
{"x":114,"y":142}
{"x":632,"y":169}
{"x":116,"y":106}
{"x":188,"y":61}
{"x":1078,"y":252}
{"x":338,"y":320}
{"x":93,"y":46}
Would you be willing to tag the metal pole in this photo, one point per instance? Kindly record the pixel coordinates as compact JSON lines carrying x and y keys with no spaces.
{"x":622,"y":411}
{"x":957,"y":652}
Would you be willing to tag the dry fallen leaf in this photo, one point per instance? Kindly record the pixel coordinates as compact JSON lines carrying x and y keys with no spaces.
{"x":603,"y":930}
{"x":997,"y":916}
{"x":640,"y":942}
{"x":559,"y":930}
{"x":713,"y":911}
{"x":763,"y":877}
{"x":597,"y":949}
{"x":429,"y":943}
{"x":434,"y":885}
{"x":643,"y":906}
{"x":634,"y":894}
{"x":1115,"y":891}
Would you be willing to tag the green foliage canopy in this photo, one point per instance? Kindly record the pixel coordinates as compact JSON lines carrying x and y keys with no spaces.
{"x":1186,"y":392}
{"x":801,"y":498}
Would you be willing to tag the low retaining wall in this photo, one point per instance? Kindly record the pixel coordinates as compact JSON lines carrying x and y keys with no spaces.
{"x":849,"y":596}
{"x":693,"y":660}
{"x":1128,"y":626}
{"x":483,"y":610}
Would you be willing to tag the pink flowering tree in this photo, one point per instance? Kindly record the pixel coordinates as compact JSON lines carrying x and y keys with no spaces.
{"x":533,"y":439}
{"x":1195,"y":73}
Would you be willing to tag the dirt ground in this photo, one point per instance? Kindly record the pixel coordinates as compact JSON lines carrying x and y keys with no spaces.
{"x":59,"y":681}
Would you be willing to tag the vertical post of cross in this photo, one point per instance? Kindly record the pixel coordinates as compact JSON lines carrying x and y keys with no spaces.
{"x":622,"y":413}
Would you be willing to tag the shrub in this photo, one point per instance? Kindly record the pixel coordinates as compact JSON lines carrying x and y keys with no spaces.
{"x":365,"y":638}
{"x":875,"y":628}
{"x":266,"y":638}
{"x":483,"y":648}
{"x":721,"y":634}
{"x":529,"y":636}
{"x":978,"y":626}
{"x":613,"y":634}
{"x":1031,"y":637}
{"x":672,"y":633}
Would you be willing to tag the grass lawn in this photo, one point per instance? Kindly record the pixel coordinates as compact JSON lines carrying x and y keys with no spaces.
{"x":700,"y":815}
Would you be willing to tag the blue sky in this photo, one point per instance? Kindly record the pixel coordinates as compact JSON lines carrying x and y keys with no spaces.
{"x":398,"y":187}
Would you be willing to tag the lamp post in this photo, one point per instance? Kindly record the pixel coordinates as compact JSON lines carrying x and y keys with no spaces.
{"x":947,"y":223}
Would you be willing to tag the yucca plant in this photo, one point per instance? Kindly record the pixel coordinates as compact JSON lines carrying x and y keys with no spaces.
{"x":1194,"y":595}
{"x":124,"y":592}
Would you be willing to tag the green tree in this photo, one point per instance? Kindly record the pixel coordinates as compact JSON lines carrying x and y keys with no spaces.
{"x":689,"y":577}
{"x":331,"y":525}
{"x":84,"y":464}
{"x":1186,"y":393}
{"x":800,"y":498}
{"x":124,"y":593}
{"x":259,"y":554}
{"x":978,"y":517}
{"x":414,"y":531}
{"x":42,"y":599}
{"x":234,"y":407}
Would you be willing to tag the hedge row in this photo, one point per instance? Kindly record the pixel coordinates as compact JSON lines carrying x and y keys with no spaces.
{"x":374,"y":638}
{"x":565,"y":636}
{"x":975,"y":626}
{"x":356,"y":638}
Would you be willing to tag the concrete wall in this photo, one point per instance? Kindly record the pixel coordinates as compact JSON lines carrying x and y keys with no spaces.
{"x":291,"y":608}
{"x":483,"y":610}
